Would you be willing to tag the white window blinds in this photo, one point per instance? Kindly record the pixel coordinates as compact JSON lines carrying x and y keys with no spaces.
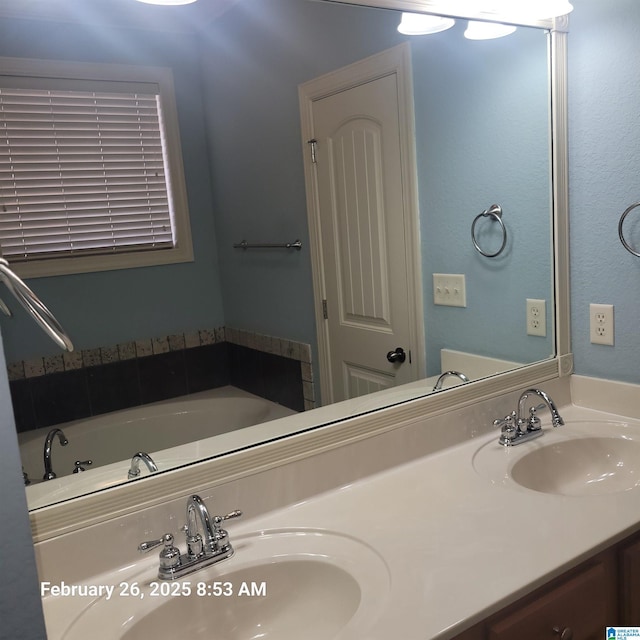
{"x":81,"y":172}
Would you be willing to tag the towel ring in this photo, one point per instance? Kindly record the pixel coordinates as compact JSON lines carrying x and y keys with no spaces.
{"x":625,"y":244}
{"x":495,"y":213}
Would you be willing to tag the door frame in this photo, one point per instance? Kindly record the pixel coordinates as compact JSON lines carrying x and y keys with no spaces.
{"x":396,"y":60}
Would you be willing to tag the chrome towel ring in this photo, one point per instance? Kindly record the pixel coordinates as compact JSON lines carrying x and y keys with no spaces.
{"x":495,"y":213}
{"x":625,"y":244}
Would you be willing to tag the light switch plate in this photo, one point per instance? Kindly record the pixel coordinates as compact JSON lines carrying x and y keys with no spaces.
{"x":449,"y":289}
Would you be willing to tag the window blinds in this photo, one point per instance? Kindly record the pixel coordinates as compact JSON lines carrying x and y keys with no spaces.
{"x":81,"y":172}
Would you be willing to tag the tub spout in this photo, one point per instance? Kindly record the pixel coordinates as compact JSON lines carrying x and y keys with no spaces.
{"x":446,"y":375}
{"x":134,"y":470}
{"x":48,"y":443}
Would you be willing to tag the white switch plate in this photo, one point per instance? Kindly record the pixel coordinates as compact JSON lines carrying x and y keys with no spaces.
{"x":536,"y":317}
{"x":449,"y":289}
{"x":601,"y":324}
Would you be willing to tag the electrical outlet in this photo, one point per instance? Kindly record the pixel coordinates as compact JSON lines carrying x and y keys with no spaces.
{"x":601,"y":328}
{"x":536,"y":317}
{"x":449,"y":289}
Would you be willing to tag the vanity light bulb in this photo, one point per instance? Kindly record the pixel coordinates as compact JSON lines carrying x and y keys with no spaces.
{"x":539,"y":9}
{"x":167,"y":2}
{"x":418,"y":24}
{"x":487,"y":30}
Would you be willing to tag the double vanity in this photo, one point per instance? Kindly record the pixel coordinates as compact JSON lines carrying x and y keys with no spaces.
{"x":429,"y":529}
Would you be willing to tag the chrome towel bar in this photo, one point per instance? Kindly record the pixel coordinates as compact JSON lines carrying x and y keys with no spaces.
{"x":296,"y":244}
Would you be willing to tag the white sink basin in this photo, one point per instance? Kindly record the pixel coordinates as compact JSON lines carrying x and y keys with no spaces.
{"x":577,"y":459}
{"x":281,"y":585}
{"x":305,"y":598}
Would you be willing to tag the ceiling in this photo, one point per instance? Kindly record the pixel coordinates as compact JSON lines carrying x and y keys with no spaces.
{"x":118,"y":12}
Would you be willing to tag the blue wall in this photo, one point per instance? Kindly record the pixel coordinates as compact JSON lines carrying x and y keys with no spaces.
{"x":482,"y":131}
{"x":245,"y":177}
{"x":20,"y":605}
{"x":604,"y":54}
{"x":111,"y":307}
{"x":604,"y":155}
{"x":254,"y":59}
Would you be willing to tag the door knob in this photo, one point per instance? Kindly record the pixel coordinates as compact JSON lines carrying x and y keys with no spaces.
{"x":398,"y":355}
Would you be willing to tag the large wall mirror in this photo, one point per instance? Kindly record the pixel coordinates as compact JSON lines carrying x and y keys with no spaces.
{"x":489,"y":129}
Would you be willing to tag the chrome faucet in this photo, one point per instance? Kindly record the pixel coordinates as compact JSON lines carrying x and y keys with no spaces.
{"x":134,"y":469}
{"x":48,"y":443}
{"x":518,"y":427}
{"x":207,"y":542}
{"x":445,"y":375}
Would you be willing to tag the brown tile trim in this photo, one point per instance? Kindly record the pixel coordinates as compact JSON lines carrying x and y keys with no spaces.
{"x":292,"y":349}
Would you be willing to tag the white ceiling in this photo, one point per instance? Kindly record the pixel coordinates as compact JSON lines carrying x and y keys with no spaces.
{"x":118,"y":12}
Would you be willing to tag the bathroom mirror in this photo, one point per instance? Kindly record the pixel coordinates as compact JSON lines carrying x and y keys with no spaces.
{"x":278,"y":206}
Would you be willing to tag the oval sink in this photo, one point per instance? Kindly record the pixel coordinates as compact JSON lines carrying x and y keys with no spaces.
{"x":577,"y":459}
{"x":583,"y":466}
{"x":279,"y":585}
{"x":308,"y":595}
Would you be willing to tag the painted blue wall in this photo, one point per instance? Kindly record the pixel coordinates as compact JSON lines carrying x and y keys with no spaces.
{"x":604,"y":156}
{"x":604,"y":52}
{"x":482,"y":133}
{"x":20,"y":605}
{"x":111,"y":307}
{"x":254,"y":59}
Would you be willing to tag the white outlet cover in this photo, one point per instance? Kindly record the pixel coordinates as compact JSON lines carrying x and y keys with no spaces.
{"x":449,"y":289}
{"x":536,"y":317}
{"x":601,"y":324}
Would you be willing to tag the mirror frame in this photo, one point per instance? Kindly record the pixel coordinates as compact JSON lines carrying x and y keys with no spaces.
{"x":336,"y":429}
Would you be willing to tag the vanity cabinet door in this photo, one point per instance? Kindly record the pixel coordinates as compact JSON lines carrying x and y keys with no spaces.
{"x":577,"y":606}
{"x":630,"y":582}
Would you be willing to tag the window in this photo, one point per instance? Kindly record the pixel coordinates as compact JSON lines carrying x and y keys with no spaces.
{"x":90,"y":168}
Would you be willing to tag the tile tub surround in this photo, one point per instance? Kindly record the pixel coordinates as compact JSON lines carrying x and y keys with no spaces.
{"x":57,"y":389}
{"x":416,"y":481}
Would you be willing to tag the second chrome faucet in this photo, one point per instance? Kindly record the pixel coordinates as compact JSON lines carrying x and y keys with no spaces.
{"x":518,"y":427}
{"x":207,"y":542}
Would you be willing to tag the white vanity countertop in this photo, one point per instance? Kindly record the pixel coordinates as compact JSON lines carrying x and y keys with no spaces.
{"x":457,"y":545}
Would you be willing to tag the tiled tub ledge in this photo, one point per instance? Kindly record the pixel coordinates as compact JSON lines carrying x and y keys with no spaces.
{"x":451,"y":539}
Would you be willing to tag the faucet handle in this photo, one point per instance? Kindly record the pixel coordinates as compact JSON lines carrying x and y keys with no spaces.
{"x":533,"y":423}
{"x":169,"y":556}
{"x":508,"y":427}
{"x":234,"y":514}
{"x":148,"y":545}
{"x":507,"y":423}
{"x":80,"y":464}
{"x":218,"y":520}
{"x":220,"y":536}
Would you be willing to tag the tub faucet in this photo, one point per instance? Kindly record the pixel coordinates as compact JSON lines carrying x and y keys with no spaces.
{"x":48,"y":443}
{"x":134,"y":469}
{"x":445,"y":375}
{"x":517,"y":427}
{"x":207,"y":542}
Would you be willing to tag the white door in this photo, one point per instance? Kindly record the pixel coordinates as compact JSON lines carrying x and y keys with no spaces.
{"x":359,"y":170}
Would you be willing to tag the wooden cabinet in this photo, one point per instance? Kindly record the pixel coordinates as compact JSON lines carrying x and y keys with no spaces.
{"x":578,"y":605}
{"x":629,"y":569}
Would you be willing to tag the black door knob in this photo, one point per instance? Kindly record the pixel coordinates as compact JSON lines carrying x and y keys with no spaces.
{"x":398,"y":355}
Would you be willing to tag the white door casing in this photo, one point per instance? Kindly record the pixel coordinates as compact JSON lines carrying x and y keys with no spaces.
{"x":362,"y":204}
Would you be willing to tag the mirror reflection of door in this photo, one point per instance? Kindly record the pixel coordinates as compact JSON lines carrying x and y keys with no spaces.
{"x":361,"y":210}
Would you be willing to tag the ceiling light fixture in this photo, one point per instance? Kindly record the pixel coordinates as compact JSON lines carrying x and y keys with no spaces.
{"x":531,"y":9}
{"x":168,"y":2}
{"x":418,"y":24}
{"x":487,"y":30}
